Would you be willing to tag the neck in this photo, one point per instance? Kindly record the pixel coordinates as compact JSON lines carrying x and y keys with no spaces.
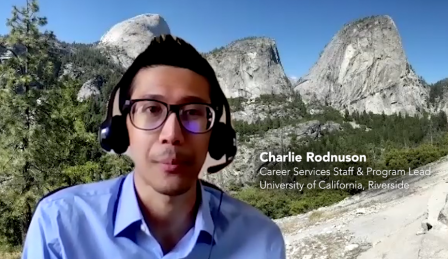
{"x":168,"y":218}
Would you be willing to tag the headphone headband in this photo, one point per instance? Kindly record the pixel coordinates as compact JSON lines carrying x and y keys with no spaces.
{"x":113,"y":101}
{"x":113,"y":131}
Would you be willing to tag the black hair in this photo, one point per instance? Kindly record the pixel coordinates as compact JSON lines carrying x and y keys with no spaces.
{"x":172,"y":51}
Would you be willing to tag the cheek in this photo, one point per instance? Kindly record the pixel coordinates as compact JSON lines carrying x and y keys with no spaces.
{"x":140,"y":142}
{"x":200,"y":144}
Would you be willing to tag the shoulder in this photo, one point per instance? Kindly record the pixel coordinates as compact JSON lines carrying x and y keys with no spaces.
{"x":83,"y":191}
{"x":61,"y":213}
{"x":69,"y":201}
{"x":242,"y":214}
{"x":246,"y":228}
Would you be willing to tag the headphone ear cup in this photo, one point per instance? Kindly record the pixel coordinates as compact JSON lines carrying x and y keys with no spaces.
{"x":218,"y":139}
{"x":120,"y":134}
{"x":114,"y":135}
{"x":222,"y":142}
{"x":231,"y":147}
{"x":105,"y":136}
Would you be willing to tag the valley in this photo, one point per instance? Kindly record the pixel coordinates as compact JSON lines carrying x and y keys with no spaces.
{"x":361,"y":101}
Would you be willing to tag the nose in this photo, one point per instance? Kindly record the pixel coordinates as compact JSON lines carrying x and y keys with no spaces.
{"x":171,"y":132}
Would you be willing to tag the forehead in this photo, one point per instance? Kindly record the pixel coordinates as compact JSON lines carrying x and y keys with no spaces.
{"x":170,"y":84}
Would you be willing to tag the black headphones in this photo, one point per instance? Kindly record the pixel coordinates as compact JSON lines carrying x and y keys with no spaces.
{"x":113,"y":134}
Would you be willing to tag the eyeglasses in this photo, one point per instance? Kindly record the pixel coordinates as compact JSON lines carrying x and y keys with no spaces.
{"x":149,"y":114}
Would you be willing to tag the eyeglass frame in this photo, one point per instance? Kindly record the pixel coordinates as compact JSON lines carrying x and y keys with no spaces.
{"x":171,"y":108}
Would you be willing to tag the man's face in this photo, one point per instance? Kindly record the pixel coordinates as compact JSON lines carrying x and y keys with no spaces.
{"x":153,"y":150}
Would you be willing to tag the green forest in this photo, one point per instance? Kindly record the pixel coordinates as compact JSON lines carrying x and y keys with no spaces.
{"x":49,"y":139}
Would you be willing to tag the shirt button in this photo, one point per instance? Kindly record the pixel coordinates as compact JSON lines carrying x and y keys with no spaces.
{"x":144,"y":229}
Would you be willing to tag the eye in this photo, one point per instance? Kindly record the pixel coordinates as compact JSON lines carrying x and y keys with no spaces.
{"x":192,"y":112}
{"x":152,"y":109}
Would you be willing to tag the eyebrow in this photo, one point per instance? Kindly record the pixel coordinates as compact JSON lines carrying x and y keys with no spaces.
{"x":185,"y":99}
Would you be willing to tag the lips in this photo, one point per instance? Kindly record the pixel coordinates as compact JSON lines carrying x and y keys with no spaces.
{"x":171,"y":161}
{"x":170,"y":165}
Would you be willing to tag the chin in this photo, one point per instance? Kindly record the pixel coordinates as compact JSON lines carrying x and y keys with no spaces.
{"x":173,"y":185}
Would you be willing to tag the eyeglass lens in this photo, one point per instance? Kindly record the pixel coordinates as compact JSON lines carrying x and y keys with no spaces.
{"x":148,"y":115}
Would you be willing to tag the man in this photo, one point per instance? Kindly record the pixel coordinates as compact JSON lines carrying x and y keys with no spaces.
{"x":170,"y":103}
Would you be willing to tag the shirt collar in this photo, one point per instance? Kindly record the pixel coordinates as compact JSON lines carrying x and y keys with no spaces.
{"x":204,"y":221}
{"x":128,"y":212}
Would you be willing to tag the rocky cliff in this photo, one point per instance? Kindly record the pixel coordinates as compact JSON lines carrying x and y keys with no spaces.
{"x":125,"y":40}
{"x":364,"y":67}
{"x":245,"y":68}
{"x":438,"y":96}
{"x":249,"y":68}
{"x":378,"y":223}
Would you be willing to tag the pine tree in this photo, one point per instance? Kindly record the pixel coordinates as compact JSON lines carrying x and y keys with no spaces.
{"x":347,"y":115}
{"x":23,"y":78}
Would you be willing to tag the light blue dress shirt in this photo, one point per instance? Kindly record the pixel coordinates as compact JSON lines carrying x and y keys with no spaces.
{"x":103,"y":220}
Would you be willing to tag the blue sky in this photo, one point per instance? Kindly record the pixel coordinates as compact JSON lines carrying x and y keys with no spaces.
{"x":300,"y":28}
